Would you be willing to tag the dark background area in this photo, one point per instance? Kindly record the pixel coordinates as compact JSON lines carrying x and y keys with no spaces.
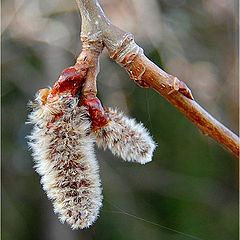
{"x":191,"y":186}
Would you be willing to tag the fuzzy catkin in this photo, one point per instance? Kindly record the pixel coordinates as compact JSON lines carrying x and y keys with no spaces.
{"x":63,"y":150}
{"x":125,"y":138}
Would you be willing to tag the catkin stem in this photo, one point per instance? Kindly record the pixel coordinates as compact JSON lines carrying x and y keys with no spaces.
{"x":89,"y":57}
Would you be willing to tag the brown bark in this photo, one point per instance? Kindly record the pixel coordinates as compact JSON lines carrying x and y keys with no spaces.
{"x":123,"y":49}
{"x":161,"y":82}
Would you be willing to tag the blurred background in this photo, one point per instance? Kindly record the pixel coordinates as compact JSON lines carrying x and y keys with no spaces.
{"x":191,"y":186}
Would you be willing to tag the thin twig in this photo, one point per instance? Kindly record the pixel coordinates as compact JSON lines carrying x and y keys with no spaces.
{"x":122,"y":48}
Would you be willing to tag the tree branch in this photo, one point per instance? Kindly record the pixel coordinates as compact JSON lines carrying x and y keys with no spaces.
{"x":96,"y":27}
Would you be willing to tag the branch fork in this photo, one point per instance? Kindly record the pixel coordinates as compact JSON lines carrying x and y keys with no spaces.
{"x":98,"y":32}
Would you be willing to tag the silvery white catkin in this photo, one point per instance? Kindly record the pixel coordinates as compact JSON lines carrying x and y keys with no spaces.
{"x":125,"y":138}
{"x":63,"y":150}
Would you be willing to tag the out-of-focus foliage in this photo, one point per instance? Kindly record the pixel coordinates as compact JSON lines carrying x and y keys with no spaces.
{"x":191,"y":185}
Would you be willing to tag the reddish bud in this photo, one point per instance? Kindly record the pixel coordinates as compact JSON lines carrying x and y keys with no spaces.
{"x":183,"y":88}
{"x":96,"y":111}
{"x":68,"y":83}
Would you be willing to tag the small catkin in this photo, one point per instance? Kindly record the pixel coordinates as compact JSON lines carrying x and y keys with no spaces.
{"x":63,"y":150}
{"x":125,"y":138}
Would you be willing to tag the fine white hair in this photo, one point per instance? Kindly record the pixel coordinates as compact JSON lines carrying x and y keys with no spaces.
{"x":63,"y":150}
{"x":125,"y":138}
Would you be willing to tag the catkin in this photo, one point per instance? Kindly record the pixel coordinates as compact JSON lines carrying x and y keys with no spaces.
{"x":63,"y":150}
{"x":125,"y":138}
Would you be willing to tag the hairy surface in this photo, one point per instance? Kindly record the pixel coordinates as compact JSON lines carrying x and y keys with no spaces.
{"x":125,"y":138}
{"x":63,"y":150}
